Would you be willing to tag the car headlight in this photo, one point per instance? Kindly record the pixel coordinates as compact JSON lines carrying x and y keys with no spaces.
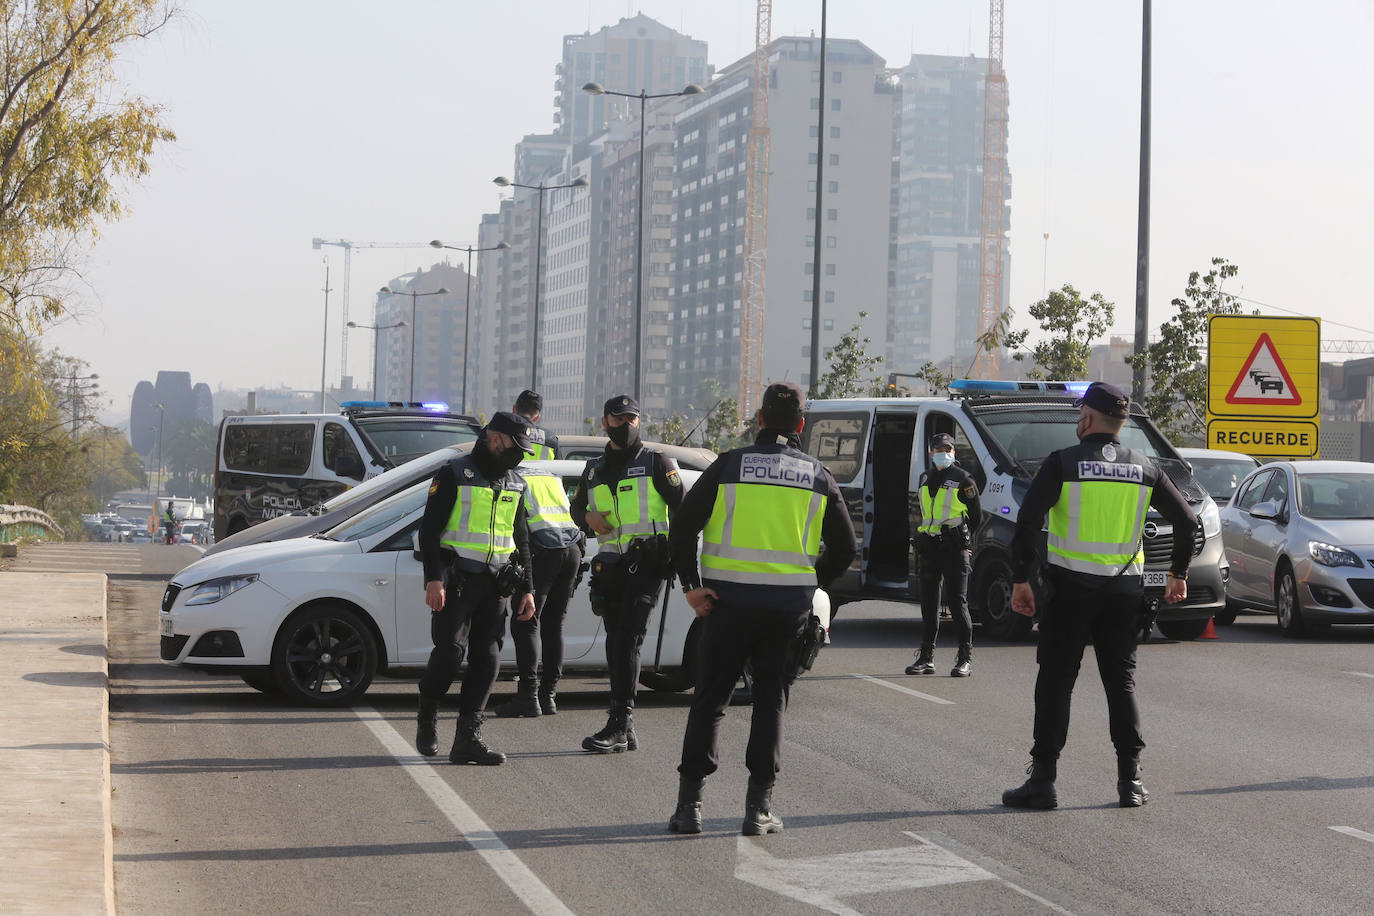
{"x":1331,"y":555}
{"x":1211,"y":518}
{"x":218,"y":589}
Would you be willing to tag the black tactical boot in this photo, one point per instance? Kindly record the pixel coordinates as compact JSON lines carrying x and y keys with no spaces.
{"x":1036,"y":792}
{"x":615,"y":736}
{"x":925,"y":662}
{"x":468,"y":746}
{"x":758,"y":812}
{"x":687,"y":817}
{"x":427,"y":727}
{"x":1131,"y":792}
{"x":548,"y":698}
{"x":963,"y":663}
{"x":524,"y":705}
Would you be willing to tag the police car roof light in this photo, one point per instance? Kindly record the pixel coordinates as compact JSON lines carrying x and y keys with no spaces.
{"x":969,"y":386}
{"x":356,"y":405}
{"x":439,"y":406}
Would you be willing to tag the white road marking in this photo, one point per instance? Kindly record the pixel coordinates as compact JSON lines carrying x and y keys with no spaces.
{"x":1357,"y":834}
{"x":907,"y":690}
{"x":822,"y":881}
{"x":507,"y":865}
{"x":1359,"y":674}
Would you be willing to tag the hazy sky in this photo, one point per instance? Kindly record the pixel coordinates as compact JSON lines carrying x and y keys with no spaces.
{"x":387,"y":121}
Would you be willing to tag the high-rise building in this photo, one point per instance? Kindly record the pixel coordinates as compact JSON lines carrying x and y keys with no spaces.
{"x":712,"y":139}
{"x":637,"y":53}
{"x":939,"y":205}
{"x":422,"y":361}
{"x":570,"y":214}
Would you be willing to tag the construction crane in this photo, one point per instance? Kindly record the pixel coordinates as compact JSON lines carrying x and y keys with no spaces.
{"x":1347,"y":346}
{"x":348,"y":247}
{"x":755,"y":222}
{"x":994,"y":192}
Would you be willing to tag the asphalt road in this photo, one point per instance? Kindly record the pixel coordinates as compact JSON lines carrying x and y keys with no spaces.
{"x":1260,"y":764}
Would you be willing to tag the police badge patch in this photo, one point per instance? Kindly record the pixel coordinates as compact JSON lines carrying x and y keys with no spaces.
{"x":467,"y":472}
{"x":674,"y":479}
{"x":1109,"y":452}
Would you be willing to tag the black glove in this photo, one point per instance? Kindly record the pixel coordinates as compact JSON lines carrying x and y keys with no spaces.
{"x":1149,"y":610}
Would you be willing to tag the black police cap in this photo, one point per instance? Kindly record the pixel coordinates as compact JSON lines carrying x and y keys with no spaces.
{"x":784,"y":397}
{"x":942,"y":440}
{"x":622,"y":405}
{"x":1106,"y":398}
{"x":513,"y":425}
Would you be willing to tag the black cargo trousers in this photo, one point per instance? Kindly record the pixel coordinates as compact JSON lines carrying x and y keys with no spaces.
{"x":944,"y":559}
{"x":471,"y":625}
{"x":555,"y":571}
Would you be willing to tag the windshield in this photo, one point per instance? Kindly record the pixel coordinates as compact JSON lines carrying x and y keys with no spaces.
{"x":1030,"y":435}
{"x":1220,"y":476}
{"x":382,"y":485}
{"x":401,"y":439}
{"x":1333,"y":496}
{"x":383,"y":515}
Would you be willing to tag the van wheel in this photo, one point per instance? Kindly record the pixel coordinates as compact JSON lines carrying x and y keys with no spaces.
{"x":676,"y":680}
{"x":235,"y":526}
{"x":992,"y":594}
{"x":324,"y":656}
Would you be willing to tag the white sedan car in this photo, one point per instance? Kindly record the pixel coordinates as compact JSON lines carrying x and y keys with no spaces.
{"x":317,"y":617}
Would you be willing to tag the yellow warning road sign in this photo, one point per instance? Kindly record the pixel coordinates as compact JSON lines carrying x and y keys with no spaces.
{"x":1270,"y":439}
{"x":1266,"y":368}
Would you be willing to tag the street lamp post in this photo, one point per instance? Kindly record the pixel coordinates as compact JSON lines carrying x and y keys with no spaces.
{"x":467,"y":304}
{"x":441,"y":291}
{"x":375,"y":327}
{"x":161,"y":415}
{"x":324,"y":344}
{"x":502,"y":182}
{"x":643,"y":96}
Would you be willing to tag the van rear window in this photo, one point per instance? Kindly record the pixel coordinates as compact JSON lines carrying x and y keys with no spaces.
{"x":269,"y":448}
{"x":837,"y":440}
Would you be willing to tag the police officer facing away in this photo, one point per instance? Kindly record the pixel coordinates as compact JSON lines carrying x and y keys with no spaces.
{"x":556,"y":548}
{"x":543,"y":443}
{"x":1095,"y":495}
{"x":474,"y":527}
{"x":624,"y":498}
{"x":762,"y":512}
{"x":950,"y":513}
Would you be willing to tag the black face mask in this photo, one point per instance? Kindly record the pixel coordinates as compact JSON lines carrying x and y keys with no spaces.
{"x":510,"y":458}
{"x":624,"y":435}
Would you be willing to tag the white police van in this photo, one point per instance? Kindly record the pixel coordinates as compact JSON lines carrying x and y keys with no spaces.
{"x":267,"y":465}
{"x":876,"y":449}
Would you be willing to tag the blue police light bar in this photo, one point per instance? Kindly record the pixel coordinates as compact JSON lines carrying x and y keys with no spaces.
{"x":439,"y":406}
{"x":993,"y":386}
{"x":351,"y":405}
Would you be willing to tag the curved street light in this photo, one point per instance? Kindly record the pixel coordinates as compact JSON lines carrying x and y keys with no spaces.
{"x":502,"y":181}
{"x":643,"y":96}
{"x":376,"y":327}
{"x":467,"y":303}
{"x":441,"y":291}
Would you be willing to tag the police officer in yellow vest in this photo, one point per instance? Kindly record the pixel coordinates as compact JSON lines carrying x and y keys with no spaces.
{"x":543,"y":443}
{"x":474,"y":542}
{"x":1096,"y":495}
{"x":950,"y":514}
{"x":556,"y":549}
{"x":624,"y":498}
{"x":762,"y":512}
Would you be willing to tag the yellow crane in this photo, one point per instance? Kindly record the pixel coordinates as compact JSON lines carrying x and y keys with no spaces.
{"x":755,"y":223}
{"x":994,"y":192}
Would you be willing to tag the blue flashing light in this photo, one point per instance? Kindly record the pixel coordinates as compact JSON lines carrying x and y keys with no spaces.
{"x":439,"y":406}
{"x":989,"y":386}
{"x":349,"y":405}
{"x":1006,"y":510}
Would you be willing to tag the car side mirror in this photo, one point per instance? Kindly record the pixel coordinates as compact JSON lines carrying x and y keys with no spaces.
{"x":1267,"y":510}
{"x":415,"y":544}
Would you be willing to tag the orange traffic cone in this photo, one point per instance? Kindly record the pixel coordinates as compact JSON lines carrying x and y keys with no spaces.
{"x":1210,"y":632}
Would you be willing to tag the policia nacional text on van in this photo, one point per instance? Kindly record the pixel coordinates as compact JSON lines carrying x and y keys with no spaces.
{"x":474,"y":543}
{"x":1095,"y":495}
{"x":762,"y":512}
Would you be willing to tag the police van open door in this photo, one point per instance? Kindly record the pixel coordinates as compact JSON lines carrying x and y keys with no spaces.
{"x":889,"y":489}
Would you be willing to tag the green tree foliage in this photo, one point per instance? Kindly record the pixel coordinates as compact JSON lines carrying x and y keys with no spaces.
{"x":189,"y":453}
{"x":1071,"y":324}
{"x":112,"y":462}
{"x":710,"y":422}
{"x":850,"y":368}
{"x":1177,"y":369}
{"x":68,"y":139}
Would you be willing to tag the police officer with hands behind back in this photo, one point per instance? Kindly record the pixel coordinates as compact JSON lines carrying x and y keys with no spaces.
{"x":950,"y":513}
{"x":1095,"y":495}
{"x":762,"y":513}
{"x":624,"y":498}
{"x":474,"y":542}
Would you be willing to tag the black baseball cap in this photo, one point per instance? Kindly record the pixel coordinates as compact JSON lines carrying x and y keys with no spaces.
{"x":622,"y":405}
{"x":531,"y":401}
{"x":942,"y":440}
{"x":784,"y":397}
{"x":513,"y":425}
{"x":1106,"y":398}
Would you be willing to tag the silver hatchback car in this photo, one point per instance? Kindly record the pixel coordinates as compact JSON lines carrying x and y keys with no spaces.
{"x":1300,"y":539}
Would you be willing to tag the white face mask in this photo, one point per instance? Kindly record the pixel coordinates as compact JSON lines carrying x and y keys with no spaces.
{"x":942,"y":460}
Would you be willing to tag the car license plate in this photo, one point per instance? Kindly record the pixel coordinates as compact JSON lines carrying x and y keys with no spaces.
{"x":165,"y":621}
{"x":1154,"y":580}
